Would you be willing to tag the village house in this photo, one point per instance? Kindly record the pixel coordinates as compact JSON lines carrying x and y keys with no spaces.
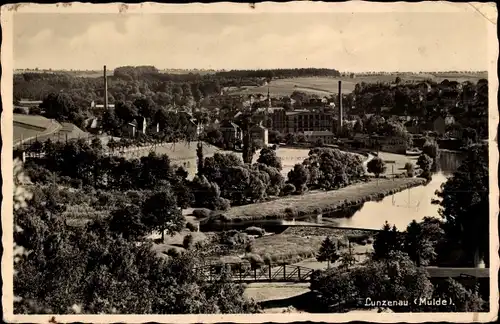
{"x":299,"y":121}
{"x":389,"y":144}
{"x":93,"y":125}
{"x":260,"y":133}
{"x":129,"y":129}
{"x":230,"y":132}
{"x":137,"y":126}
{"x":313,"y":136}
{"x":99,"y":108}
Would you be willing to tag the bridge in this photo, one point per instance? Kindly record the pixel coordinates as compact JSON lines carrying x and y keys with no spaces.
{"x":245,"y":273}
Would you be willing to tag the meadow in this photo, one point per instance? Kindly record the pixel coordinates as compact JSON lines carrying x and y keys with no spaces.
{"x":297,"y":205}
{"x":184,"y":154}
{"x":325,"y":86}
{"x":30,"y":126}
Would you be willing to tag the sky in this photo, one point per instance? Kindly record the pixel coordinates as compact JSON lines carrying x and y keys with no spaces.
{"x":344,"y":41}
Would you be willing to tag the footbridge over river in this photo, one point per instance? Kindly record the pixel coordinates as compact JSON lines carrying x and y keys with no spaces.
{"x":245,"y":273}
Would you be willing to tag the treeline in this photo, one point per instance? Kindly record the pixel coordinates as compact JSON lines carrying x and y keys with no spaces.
{"x":278,"y":73}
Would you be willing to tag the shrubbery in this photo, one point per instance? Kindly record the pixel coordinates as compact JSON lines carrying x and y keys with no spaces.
{"x":253,"y":230}
{"x":202,"y":213}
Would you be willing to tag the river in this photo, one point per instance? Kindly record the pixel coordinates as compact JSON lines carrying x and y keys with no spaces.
{"x":398,"y":209}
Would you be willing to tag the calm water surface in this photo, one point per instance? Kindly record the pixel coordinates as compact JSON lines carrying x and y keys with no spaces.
{"x":403,"y":207}
{"x":398,"y":209}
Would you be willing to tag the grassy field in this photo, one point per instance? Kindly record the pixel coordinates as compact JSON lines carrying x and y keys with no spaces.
{"x":183,"y":154}
{"x":289,"y":157}
{"x":32,"y":120}
{"x":330,"y":200}
{"x":28,"y":126}
{"x":273,"y":290}
{"x":180,"y":154}
{"x":325,"y":86}
{"x":400,"y":161}
{"x":72,"y":132}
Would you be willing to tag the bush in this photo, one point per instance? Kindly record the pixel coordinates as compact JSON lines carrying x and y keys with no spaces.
{"x":222,"y":204}
{"x":341,"y":244}
{"x":288,"y":189}
{"x":188,"y":241}
{"x":254,"y":230}
{"x":35,"y":111}
{"x":201,"y":213}
{"x":317,"y":210}
{"x":18,"y":110}
{"x":359,"y":239}
{"x":376,"y":166}
{"x":267,"y":259}
{"x":255,"y":260}
{"x":173,"y":252}
{"x":291,"y":212}
{"x":190,"y":226}
{"x":410,"y":169}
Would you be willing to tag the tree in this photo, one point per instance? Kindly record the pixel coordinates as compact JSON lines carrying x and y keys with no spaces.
{"x":464,"y":300}
{"x":199,"y":154}
{"x":319,"y":142}
{"x":246,"y":124}
{"x":335,"y":290}
{"x":269,"y":157}
{"x":126,"y":111}
{"x":190,"y":226}
{"x":145,"y":107}
{"x":88,"y":270}
{"x":347,"y":258}
{"x":377,"y":166}
{"x":299,"y":176}
{"x":327,"y":252}
{"x":291,"y":139}
{"x":110,"y":122}
{"x":288,"y":189}
{"x":396,"y":278}
{"x":424,"y":162}
{"x":417,"y":246}
{"x":96,"y":144}
{"x":188,"y":241}
{"x":358,"y":126}
{"x":58,"y":106}
{"x":161,"y":213}
{"x":465,"y":205}
{"x":431,"y":149}
{"x":275,"y":137}
{"x":386,"y":241}
{"x":127,"y":221}
{"x":410,"y":169}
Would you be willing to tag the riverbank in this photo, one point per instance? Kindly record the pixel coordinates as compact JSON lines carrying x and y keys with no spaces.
{"x":318,"y":202}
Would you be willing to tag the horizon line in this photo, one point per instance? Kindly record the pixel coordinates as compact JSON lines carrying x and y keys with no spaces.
{"x":248,"y":69}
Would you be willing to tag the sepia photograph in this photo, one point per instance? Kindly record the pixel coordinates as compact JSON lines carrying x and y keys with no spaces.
{"x":276,"y":162}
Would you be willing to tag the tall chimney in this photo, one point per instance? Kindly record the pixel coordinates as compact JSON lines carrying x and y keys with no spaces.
{"x":341,"y":115}
{"x":105,"y":90}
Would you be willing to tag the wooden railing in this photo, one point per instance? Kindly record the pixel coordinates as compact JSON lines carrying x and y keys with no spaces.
{"x":244,"y":272}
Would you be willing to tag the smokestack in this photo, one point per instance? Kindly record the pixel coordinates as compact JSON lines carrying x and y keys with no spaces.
{"x":341,"y":116}
{"x":105,"y":89}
